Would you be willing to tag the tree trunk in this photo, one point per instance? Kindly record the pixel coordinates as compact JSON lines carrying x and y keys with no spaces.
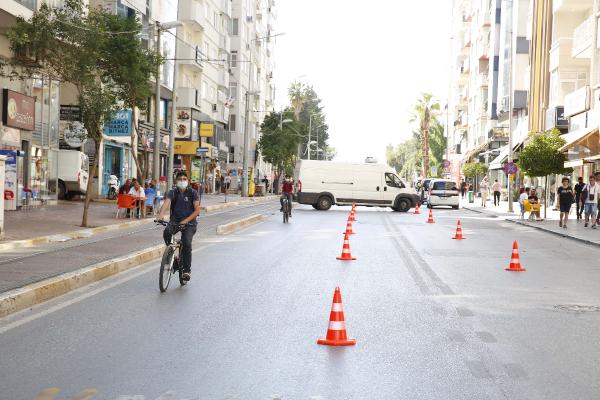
{"x":546,"y":194}
{"x":425,"y":153}
{"x":90,"y":184}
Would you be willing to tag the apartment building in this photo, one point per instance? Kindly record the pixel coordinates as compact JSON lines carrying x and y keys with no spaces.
{"x":252,"y":66}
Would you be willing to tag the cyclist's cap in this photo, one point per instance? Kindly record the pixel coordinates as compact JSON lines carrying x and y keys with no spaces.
{"x":180,"y":174}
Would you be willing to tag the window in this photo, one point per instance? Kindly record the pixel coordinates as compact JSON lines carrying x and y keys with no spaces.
{"x":203,"y":88}
{"x":233,"y":90}
{"x":213,"y":93}
{"x":444,"y":185}
{"x":206,"y":49}
{"x":393,"y":181}
{"x":234,"y":59}
{"x":232,"y":122}
{"x":235,"y":26}
{"x":215,"y":19}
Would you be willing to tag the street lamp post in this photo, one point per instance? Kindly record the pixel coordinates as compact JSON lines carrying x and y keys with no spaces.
{"x":510,"y":105}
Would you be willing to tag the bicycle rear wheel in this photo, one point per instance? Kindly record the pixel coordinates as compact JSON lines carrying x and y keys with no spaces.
{"x":166,"y":269}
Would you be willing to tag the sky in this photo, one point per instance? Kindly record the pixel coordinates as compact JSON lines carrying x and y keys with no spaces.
{"x":368,"y":61}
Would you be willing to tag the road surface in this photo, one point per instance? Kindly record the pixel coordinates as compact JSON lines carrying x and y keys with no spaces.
{"x":434,"y":318}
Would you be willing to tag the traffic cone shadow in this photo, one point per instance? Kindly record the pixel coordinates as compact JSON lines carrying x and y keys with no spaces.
{"x":336,"y":331}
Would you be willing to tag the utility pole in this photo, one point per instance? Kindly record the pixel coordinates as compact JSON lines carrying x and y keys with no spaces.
{"x":309,"y":130}
{"x":510,"y":103}
{"x":156,"y":154}
{"x":171,"y":157}
{"x":246,"y":142}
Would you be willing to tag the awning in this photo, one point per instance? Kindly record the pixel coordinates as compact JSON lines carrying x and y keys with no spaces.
{"x":574,"y":138}
{"x":498,"y":161}
{"x":475,"y":151}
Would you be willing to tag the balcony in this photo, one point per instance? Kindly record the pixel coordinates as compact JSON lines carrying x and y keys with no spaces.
{"x":226,"y":7}
{"x":189,"y":56}
{"x":560,"y":53}
{"x":186,"y":97}
{"x":483,"y":49}
{"x":192,"y":12}
{"x":485,"y":18}
{"x":224,"y":43}
{"x":482,"y":80}
{"x":223,"y":78}
{"x":583,"y":39}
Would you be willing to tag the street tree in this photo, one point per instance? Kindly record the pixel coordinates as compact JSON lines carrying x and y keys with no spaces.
{"x":424,"y":111}
{"x":130,"y":65}
{"x":70,"y":44}
{"x":296,"y":92}
{"x":541,"y":157}
{"x":279,"y":142}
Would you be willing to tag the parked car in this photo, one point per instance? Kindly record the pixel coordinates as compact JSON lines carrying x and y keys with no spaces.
{"x":443,"y":192}
{"x":324,"y":183}
{"x":73,"y":168}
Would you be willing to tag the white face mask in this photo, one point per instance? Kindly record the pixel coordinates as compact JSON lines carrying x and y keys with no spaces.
{"x":182,"y":184}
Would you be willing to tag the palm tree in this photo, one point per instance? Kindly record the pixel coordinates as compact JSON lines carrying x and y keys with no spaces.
{"x":424,"y":112}
{"x":297,"y":97}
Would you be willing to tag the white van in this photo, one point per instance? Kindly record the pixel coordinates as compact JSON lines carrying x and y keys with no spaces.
{"x":443,"y":192}
{"x":323,"y":183}
{"x":73,"y":168}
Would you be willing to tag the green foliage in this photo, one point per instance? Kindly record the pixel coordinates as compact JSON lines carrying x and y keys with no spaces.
{"x":541,"y":156}
{"x":425,"y":113}
{"x":472,"y":170}
{"x":279,"y":144}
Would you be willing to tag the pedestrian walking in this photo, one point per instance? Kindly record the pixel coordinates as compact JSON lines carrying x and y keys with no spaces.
{"x":597,"y":176}
{"x":496,"y":188}
{"x":522,"y":197}
{"x":463,"y":189}
{"x":590,"y":201}
{"x":565,"y":197}
{"x":578,"y":199}
{"x":483,"y":190}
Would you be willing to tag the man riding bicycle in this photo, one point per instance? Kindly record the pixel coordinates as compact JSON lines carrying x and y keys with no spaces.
{"x":184,"y":206}
{"x":287,"y":191}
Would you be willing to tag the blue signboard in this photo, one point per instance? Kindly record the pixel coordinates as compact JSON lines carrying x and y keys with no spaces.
{"x":119,"y":125}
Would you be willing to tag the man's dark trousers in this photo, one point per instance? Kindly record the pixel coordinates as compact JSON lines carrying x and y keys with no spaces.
{"x":186,"y":244}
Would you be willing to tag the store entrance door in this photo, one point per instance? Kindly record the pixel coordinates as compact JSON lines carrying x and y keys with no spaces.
{"x":112,"y":165}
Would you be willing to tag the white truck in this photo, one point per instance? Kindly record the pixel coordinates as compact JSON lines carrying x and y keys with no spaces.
{"x":73,"y":176}
{"x":324,"y":183}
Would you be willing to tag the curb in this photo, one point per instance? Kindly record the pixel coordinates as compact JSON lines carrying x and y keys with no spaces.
{"x":242,"y":223}
{"x":222,"y":206}
{"x":27,"y":296}
{"x":63,"y":237}
{"x":541,"y":228}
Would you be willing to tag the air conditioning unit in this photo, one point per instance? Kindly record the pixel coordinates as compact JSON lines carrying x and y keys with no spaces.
{"x":214,"y":108}
{"x":249,"y":18}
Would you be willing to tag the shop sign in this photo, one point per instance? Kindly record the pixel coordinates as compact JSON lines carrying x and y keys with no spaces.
{"x":215,"y":153}
{"x":10,"y":137}
{"x":18,"y":110}
{"x":185,"y":147}
{"x":119,"y":125}
{"x":207,"y":130}
{"x":70,"y":113}
{"x":75,"y":134}
{"x":183,"y":124}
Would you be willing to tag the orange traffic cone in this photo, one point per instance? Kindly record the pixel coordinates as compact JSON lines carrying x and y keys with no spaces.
{"x":353,"y":205}
{"x":336,"y":332}
{"x":349,"y":228}
{"x":430,"y":218}
{"x":515,"y":262}
{"x":352,"y":214}
{"x":346,"y":256}
{"x":458,"y":235}
{"x":417,"y":209}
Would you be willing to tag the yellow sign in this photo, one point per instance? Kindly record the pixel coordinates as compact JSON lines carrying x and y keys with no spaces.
{"x":185,"y":147}
{"x":207,"y":130}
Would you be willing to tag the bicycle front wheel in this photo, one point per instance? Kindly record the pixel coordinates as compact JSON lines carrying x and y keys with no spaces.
{"x":166,"y":269}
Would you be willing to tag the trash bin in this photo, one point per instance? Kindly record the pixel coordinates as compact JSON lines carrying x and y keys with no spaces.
{"x":470,"y":196}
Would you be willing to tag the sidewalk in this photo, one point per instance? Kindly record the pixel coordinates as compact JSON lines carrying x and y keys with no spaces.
{"x":575,"y":229}
{"x":66,"y":217}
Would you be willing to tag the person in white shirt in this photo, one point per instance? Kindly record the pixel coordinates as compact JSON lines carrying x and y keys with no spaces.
{"x":140,"y":196}
{"x":483,"y":189}
{"x":589,"y":196}
{"x":496,"y":188}
{"x":522,"y":197}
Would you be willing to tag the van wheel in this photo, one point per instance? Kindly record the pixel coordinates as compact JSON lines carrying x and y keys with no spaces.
{"x":324,"y":203}
{"x":403,"y":205}
{"x":62,"y":190}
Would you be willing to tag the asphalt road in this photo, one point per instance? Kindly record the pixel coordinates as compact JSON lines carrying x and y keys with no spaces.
{"x":434,"y":318}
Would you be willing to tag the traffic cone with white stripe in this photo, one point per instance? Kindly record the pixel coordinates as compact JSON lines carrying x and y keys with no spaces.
{"x":458,"y":235}
{"x":515,"y":261}
{"x":352,"y":214}
{"x":417,"y":212}
{"x":336,"y":331}
{"x":346,"y":256}
{"x":353,"y":205}
{"x":430,"y":218}
{"x":349,"y":228}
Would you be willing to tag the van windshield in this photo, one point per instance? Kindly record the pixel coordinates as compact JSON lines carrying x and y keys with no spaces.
{"x":444,"y":185}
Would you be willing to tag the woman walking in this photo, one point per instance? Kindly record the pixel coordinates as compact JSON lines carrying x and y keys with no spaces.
{"x":565,"y":197}
{"x":483,"y":189}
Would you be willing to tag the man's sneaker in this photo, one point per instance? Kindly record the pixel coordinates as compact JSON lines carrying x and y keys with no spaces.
{"x":594,"y":226}
{"x":560,"y":224}
{"x":186,"y":276}
{"x":585,"y":225}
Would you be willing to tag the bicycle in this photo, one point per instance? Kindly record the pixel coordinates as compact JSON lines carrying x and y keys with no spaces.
{"x":171,"y":258}
{"x":286,"y":209}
